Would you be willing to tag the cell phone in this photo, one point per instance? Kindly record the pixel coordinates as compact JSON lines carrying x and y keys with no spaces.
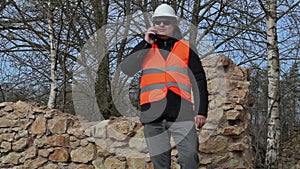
{"x":152,"y":36}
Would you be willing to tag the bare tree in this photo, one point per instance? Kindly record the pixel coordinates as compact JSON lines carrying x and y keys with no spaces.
{"x":53,"y":59}
{"x":290,"y":94}
{"x":273,"y":135}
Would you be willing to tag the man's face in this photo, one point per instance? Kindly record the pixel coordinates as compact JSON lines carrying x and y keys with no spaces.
{"x":164,"y":26}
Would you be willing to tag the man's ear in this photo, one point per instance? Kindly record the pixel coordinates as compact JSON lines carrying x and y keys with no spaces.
{"x":177,"y":32}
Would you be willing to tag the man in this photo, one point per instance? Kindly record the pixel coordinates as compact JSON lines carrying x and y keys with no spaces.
{"x":170,"y":69}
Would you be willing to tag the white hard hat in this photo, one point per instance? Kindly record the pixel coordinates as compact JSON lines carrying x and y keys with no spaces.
{"x":164,"y":10}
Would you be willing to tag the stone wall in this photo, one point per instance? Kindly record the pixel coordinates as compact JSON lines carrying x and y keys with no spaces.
{"x":33,"y":136}
{"x":225,"y":141}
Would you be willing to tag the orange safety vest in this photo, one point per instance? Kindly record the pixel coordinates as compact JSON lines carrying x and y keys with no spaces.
{"x":160,"y":75}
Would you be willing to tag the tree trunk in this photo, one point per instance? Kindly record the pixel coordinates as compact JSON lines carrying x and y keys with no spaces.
{"x":103,"y":90}
{"x":53,"y":59}
{"x":102,"y":84}
{"x":194,"y":22}
{"x":273,"y":135}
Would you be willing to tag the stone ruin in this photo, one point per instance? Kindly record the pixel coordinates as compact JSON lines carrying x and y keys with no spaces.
{"x":34,"y":136}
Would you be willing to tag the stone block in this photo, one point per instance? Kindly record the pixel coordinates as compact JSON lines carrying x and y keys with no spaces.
{"x":58,"y":125}
{"x":98,"y":163}
{"x":214,"y":144}
{"x":22,"y":107}
{"x":43,"y":153}
{"x":5,"y":146}
{"x":84,"y":154}
{"x":51,"y":166}
{"x":38,"y":126}
{"x":7,"y":136}
{"x":136,"y":162}
{"x":59,"y":140}
{"x":6,"y":123}
{"x":11,"y":158}
{"x":30,"y":153}
{"x":232,"y":115}
{"x":35,"y":163}
{"x":231,"y":131}
{"x":98,"y":130}
{"x":113,"y":162}
{"x":59,"y":155}
{"x":20,"y":144}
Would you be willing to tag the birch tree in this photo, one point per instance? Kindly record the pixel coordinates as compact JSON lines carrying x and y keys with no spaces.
{"x":273,"y":135}
{"x":53,"y":59}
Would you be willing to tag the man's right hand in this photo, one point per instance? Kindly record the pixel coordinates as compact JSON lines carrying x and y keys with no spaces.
{"x":152,"y":31}
{"x":200,"y":120}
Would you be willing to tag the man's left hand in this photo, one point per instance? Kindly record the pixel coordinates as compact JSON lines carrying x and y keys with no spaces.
{"x":200,"y":120}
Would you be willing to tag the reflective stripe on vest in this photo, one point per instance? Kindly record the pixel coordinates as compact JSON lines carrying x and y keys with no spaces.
{"x":160,"y":75}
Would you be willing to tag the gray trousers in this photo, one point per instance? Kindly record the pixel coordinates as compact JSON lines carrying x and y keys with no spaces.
{"x":158,"y":136}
